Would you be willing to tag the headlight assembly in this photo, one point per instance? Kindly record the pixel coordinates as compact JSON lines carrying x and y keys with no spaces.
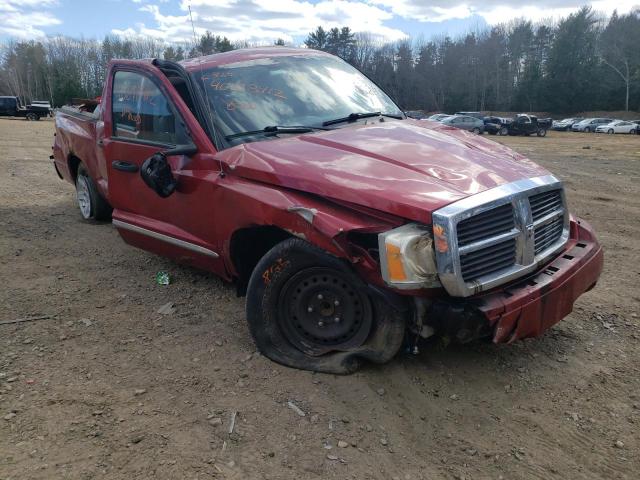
{"x":407,"y":258}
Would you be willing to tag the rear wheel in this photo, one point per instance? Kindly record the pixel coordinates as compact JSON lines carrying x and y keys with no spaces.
{"x":307,"y":309}
{"x":610,"y":131}
{"x":91,"y":204}
{"x":587,"y":130}
{"x":32,"y":117}
{"x":542,"y":132}
{"x":503,"y":131}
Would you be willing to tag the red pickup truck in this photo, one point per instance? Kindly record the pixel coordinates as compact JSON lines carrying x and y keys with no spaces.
{"x":351,"y":229}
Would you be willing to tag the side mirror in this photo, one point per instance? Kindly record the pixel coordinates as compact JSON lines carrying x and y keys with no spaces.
{"x":156,"y":172}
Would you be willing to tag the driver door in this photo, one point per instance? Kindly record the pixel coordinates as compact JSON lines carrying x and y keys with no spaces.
{"x":143,"y":120}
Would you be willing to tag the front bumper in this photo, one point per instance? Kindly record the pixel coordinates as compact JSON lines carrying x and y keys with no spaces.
{"x":536,"y":303}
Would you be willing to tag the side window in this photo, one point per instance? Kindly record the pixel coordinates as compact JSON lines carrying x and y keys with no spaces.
{"x":142,"y":112}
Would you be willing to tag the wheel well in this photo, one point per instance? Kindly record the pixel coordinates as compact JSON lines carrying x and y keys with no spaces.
{"x":74,"y":163}
{"x":248,"y":246}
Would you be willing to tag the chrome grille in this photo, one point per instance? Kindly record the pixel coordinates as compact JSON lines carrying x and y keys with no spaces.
{"x":488,"y":260}
{"x":544,"y":203}
{"x":547,"y":213}
{"x":485,"y":225}
{"x":500,"y":234}
{"x":546,"y":235}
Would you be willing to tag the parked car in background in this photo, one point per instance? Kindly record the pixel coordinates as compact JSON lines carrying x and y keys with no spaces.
{"x":12,"y":107}
{"x":44,"y":105}
{"x":565,"y":124}
{"x":416,"y":114}
{"x":478,"y":115}
{"x":496,"y":125}
{"x":617,"y":126}
{"x":524,"y":124}
{"x":438,"y":117}
{"x":465,"y":122}
{"x":589,"y":125}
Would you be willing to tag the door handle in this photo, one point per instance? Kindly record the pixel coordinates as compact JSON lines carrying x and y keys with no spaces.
{"x":124,"y":166}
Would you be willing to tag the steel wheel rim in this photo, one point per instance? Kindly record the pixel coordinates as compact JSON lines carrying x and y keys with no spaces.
{"x":83,"y":196}
{"x":320,"y":311}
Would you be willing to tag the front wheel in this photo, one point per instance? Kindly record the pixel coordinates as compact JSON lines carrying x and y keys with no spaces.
{"x":476,"y":131}
{"x":610,"y":131}
{"x":503,"y":131}
{"x":307,"y":309}
{"x":587,"y":130}
{"x":32,"y":117}
{"x":542,"y":132}
{"x":91,"y":204}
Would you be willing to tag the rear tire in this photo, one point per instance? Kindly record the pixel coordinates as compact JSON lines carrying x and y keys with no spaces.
{"x":587,"y":130}
{"x":32,"y":117}
{"x":307,"y":309}
{"x":476,"y":131}
{"x":610,"y":131}
{"x":542,"y":132}
{"x":503,"y":131}
{"x":91,"y":204}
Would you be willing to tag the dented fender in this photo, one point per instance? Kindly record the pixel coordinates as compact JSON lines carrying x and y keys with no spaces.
{"x":302,"y":215}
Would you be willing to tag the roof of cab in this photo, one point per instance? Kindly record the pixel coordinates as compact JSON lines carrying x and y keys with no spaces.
{"x":244,"y":54}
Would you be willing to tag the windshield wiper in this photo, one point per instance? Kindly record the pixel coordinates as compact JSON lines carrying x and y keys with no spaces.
{"x":352,"y":117}
{"x":272,"y":130}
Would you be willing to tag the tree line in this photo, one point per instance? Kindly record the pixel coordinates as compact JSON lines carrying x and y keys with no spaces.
{"x":582,"y":62}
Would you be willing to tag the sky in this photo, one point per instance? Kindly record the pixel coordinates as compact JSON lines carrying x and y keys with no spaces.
{"x":263,"y":21}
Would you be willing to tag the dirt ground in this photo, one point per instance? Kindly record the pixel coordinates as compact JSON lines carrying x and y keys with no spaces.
{"x":106,"y":387}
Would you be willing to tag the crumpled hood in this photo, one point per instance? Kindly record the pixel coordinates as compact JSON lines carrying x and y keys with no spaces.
{"x":405,"y":168}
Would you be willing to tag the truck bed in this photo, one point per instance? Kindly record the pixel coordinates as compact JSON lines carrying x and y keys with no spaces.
{"x":76,"y":140}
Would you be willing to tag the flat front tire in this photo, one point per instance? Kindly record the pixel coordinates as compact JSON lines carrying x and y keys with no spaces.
{"x":307,"y":309}
{"x":91,"y":204}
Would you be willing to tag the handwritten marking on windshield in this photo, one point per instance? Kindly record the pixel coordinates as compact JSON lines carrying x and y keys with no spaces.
{"x":266,"y":90}
{"x":237,"y":105}
{"x":220,"y":75}
{"x":252,"y":88}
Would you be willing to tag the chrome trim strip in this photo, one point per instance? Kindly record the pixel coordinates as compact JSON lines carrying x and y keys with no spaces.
{"x":516,"y":193}
{"x":487,"y":242}
{"x":165,"y":238}
{"x":548,"y":218}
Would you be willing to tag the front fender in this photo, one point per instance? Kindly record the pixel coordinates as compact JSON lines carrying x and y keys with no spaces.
{"x":314,"y":219}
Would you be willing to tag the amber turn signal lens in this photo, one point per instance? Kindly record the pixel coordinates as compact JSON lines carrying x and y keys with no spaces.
{"x":440,"y":238}
{"x":394,"y":264}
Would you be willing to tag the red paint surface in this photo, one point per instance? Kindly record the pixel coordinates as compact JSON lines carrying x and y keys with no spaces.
{"x":537,"y":303}
{"x":370,"y":177}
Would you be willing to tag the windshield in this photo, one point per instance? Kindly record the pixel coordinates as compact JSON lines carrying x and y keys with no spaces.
{"x":297,"y":90}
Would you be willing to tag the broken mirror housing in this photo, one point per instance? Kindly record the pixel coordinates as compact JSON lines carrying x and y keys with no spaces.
{"x":407,"y":259}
